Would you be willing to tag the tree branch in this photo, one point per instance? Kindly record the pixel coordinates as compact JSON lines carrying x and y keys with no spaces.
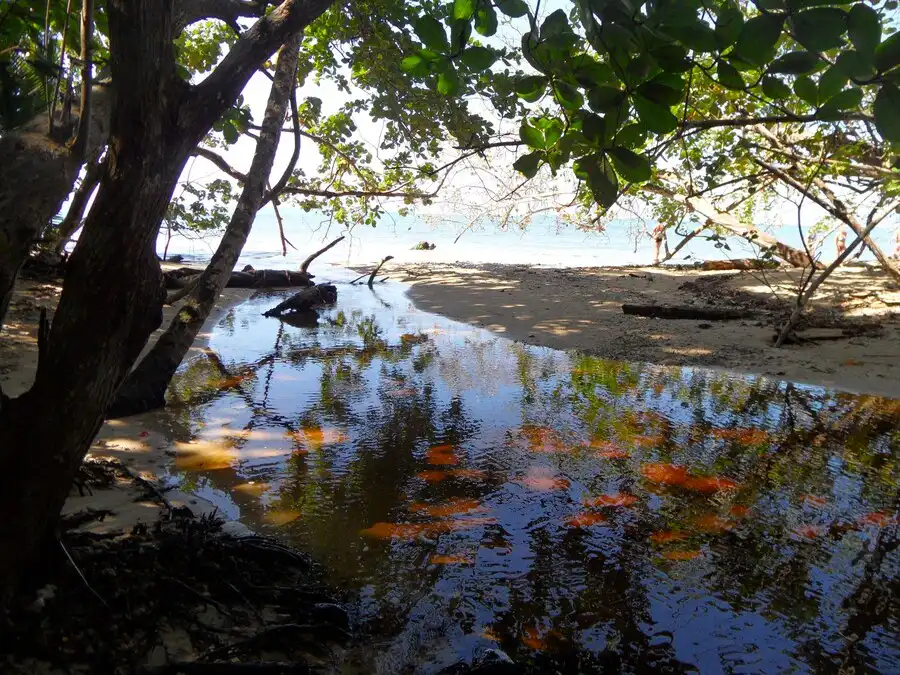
{"x":186,"y":12}
{"x":306,"y":263}
{"x":80,"y":145}
{"x":768,"y":119}
{"x":209,"y":99}
{"x":274,"y":191}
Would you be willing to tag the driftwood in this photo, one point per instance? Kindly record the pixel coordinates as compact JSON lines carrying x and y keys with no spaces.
{"x":306,"y":300}
{"x":306,"y":263}
{"x":186,"y":276}
{"x":374,"y":272}
{"x":691,"y":313}
{"x":739,"y":264}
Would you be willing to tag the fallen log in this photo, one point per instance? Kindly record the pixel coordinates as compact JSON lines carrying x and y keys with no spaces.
{"x":182,"y":277}
{"x":306,"y":300}
{"x":690,"y":313}
{"x":739,"y":264}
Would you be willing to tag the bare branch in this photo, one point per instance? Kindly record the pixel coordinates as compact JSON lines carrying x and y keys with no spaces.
{"x":186,"y":12}
{"x":769,"y":119}
{"x":273,"y":193}
{"x":306,"y":263}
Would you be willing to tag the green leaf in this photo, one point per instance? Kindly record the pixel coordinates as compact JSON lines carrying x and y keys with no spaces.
{"x":602,"y":99}
{"x":632,"y":135}
{"x":528,"y":46}
{"x":631,"y":166}
{"x":664,"y":90}
{"x":657,"y":118}
{"x":864,"y":28}
{"x":600,"y":177}
{"x":775,"y":88}
{"x":431,"y":32}
{"x":553,"y":130}
{"x":728,"y":25}
{"x":820,"y":29}
{"x":529,"y":164}
{"x":806,"y":89}
{"x":592,"y":73}
{"x":412,"y":63}
{"x":887,"y":54}
{"x":231,"y":133}
{"x":567,"y":95}
{"x":673,"y":57}
{"x":594,"y":128}
{"x":486,"y":20}
{"x":844,"y":100}
{"x":557,"y":23}
{"x":463,"y":9}
{"x":479,"y":58}
{"x":531,"y":136}
{"x":759,"y":35}
{"x":695,"y":35}
{"x":448,"y":83}
{"x":460,"y":32}
{"x":887,"y":112}
{"x":855,"y":65}
{"x":795,"y":63}
{"x":531,"y":87}
{"x":513,"y":8}
{"x":831,"y":82}
{"x":729,"y":76}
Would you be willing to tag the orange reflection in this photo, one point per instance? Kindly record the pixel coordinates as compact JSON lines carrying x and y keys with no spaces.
{"x":608,"y":450}
{"x":739,"y":511}
{"x":451,"y":508}
{"x":314,"y":437}
{"x":490,"y":634}
{"x":204,"y":455}
{"x":814,"y":501}
{"x":442,"y":455}
{"x":433,"y":476}
{"x":612,"y":500}
{"x":438,"y":559}
{"x":713,"y":524}
{"x":666,"y":536}
{"x":280,"y":516}
{"x":252,"y":488}
{"x":384,"y":530}
{"x":877,"y":518}
{"x":586,"y":519}
{"x":543,"y":479}
{"x":475,"y":474}
{"x":682,"y":555}
{"x":531,"y":638}
{"x":406,"y":392}
{"x":648,"y":441}
{"x":665,"y":474}
{"x":744,"y":436}
{"x":710,"y":484}
{"x":807,"y":532}
{"x":542,"y":439}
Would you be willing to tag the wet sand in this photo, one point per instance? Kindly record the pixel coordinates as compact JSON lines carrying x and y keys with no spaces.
{"x":581,"y":309}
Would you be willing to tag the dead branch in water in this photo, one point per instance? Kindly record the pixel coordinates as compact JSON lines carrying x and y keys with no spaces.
{"x":308,"y":261}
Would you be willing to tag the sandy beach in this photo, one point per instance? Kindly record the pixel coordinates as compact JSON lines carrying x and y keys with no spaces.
{"x":581,"y":309}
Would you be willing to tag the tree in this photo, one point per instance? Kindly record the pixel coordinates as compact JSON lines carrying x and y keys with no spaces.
{"x":113,"y":293}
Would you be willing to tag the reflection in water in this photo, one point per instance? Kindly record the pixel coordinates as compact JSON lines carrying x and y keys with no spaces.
{"x":578,"y":513}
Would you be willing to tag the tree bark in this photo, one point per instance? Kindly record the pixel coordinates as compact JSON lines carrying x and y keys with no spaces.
{"x":145,"y":387}
{"x":80,"y":198}
{"x":113,"y":294}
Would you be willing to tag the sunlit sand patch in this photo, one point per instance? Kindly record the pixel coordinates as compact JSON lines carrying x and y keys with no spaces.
{"x":666,"y":536}
{"x":439,"y":559}
{"x":681,"y":555}
{"x":280,"y":516}
{"x":619,"y":499}
{"x":665,"y":474}
{"x":586,"y":519}
{"x":129,"y":444}
{"x":204,"y":456}
{"x":252,"y":488}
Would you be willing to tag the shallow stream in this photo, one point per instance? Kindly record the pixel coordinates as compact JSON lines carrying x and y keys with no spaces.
{"x":580,"y":514}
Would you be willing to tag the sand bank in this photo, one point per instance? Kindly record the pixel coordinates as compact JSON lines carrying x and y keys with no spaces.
{"x":581,"y":309}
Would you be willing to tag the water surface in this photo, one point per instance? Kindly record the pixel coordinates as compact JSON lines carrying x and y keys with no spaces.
{"x":580,"y":514}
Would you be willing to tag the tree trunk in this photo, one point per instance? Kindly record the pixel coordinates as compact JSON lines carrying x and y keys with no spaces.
{"x":80,"y":198}
{"x":113,"y":293}
{"x":145,"y":387}
{"x":27,"y":205}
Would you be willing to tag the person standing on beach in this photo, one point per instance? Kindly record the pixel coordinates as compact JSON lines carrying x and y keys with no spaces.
{"x":897,"y":243}
{"x":840,"y":242}
{"x":659,"y":237}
